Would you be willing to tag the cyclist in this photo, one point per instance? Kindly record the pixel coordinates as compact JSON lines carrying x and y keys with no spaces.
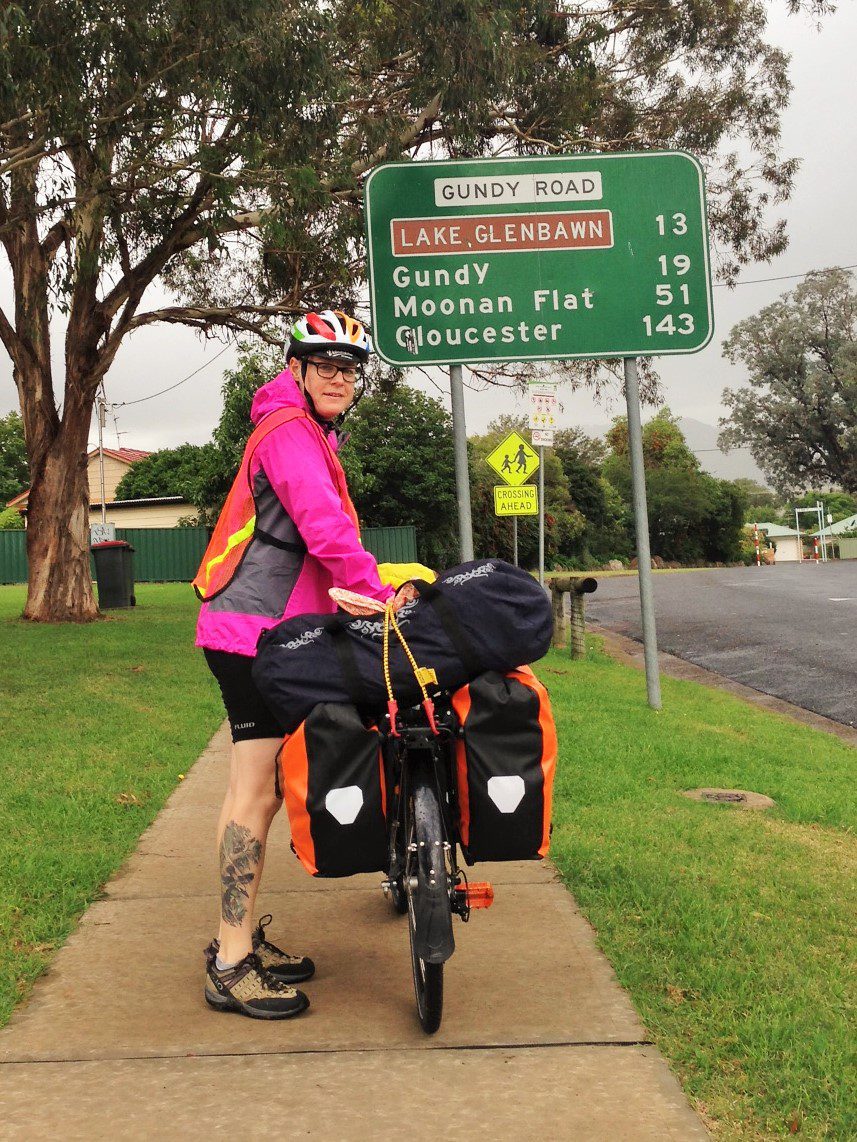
{"x":304,"y":541}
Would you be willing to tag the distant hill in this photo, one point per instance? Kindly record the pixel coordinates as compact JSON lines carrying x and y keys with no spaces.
{"x":702,"y":441}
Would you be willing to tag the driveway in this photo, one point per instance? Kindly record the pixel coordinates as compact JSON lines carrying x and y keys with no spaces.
{"x":788,"y":630}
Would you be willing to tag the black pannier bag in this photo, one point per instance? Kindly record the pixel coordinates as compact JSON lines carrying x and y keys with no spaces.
{"x":330,"y":773}
{"x":484,"y":615}
{"x":505,"y":760}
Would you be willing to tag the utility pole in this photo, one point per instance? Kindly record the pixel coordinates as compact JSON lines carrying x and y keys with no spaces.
{"x":101,"y":405}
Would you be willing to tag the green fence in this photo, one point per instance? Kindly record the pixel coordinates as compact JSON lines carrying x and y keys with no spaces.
{"x":165,"y":554}
{"x":172,"y":554}
{"x":391,"y":544}
{"x":13,"y":557}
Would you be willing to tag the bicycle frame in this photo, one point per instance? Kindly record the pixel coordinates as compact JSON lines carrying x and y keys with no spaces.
{"x":416,"y":745}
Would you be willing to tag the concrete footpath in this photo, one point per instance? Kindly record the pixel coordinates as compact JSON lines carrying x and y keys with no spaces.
{"x":538,"y":1039}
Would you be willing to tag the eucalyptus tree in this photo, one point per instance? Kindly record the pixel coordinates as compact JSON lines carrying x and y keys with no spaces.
{"x":798,"y":414}
{"x":218,"y":148}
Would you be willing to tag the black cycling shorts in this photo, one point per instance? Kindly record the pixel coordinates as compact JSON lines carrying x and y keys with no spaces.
{"x":248,"y":715}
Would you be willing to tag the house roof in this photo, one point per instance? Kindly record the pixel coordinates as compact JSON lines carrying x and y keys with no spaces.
{"x":776,"y":530}
{"x":127,"y":456}
{"x":841,"y":526}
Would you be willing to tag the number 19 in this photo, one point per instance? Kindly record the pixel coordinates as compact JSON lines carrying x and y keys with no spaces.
{"x":680,"y":261}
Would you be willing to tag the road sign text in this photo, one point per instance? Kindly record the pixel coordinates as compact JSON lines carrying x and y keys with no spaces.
{"x":502,"y":233}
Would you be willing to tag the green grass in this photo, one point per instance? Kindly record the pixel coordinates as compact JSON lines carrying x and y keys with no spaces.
{"x":732,"y":930}
{"x":97,"y":722}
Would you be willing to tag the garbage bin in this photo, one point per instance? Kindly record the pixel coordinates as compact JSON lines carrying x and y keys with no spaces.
{"x":114,"y":573}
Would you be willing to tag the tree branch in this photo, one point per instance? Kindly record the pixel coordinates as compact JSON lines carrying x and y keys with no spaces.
{"x":231,"y":315}
{"x":406,"y":139}
{"x":61,"y":232}
{"x":253,"y":218}
{"x":10,"y":339}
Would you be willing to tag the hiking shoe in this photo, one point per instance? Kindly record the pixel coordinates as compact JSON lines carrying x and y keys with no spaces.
{"x":248,"y":988}
{"x":282,"y":966}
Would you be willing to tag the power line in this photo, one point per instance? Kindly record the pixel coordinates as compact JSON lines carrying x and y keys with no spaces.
{"x":784,"y":278}
{"x":151,"y":396}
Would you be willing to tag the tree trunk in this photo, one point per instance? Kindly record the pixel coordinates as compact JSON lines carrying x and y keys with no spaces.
{"x":60,"y":584}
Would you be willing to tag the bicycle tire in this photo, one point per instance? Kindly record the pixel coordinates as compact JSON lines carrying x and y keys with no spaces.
{"x":425,"y":830}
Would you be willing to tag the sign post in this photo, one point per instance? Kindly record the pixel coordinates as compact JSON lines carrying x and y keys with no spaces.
{"x":462,"y":476}
{"x":514,"y":461}
{"x":543,"y":414}
{"x":569,"y":256}
{"x":641,"y":526}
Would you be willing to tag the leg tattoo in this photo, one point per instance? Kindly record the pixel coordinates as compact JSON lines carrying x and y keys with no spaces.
{"x":240,"y":853}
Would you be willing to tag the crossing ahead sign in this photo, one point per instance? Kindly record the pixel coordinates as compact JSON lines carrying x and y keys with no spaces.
{"x":514,"y":460}
{"x":515,"y":501}
{"x":537,"y":258}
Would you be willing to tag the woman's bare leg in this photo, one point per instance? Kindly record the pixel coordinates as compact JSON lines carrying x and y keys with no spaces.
{"x":248,"y":810}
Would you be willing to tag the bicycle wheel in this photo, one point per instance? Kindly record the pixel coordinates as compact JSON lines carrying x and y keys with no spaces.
{"x":427,"y":890}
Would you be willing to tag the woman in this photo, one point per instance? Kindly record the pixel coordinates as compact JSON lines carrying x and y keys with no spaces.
{"x":300,"y":540}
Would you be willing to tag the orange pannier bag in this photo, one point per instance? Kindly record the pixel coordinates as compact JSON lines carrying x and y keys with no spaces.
{"x":330,"y":772}
{"x":235,"y":529}
{"x":505,"y":761}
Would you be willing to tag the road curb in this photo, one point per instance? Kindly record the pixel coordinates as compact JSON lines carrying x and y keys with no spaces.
{"x":630,"y":651}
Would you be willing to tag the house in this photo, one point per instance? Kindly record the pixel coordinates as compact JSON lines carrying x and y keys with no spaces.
{"x":843,"y":535}
{"x":162,"y":511}
{"x":786,"y":541}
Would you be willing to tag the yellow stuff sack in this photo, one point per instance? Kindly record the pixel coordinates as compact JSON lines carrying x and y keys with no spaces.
{"x":395,"y":574}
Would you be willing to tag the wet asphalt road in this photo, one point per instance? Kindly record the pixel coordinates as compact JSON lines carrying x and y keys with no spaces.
{"x":790,"y":630}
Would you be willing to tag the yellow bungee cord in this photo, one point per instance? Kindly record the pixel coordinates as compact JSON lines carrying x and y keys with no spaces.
{"x":422,"y":674}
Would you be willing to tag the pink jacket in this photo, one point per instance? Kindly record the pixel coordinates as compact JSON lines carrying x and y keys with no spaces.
{"x":297,"y":502}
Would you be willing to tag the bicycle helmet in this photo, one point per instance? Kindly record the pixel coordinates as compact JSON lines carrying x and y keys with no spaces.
{"x":330,"y":331}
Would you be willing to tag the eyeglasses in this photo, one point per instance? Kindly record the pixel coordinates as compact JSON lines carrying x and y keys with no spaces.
{"x":327,"y":370}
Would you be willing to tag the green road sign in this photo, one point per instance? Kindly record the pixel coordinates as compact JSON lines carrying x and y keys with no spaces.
{"x":516,"y":501}
{"x":513,"y":460}
{"x":537,"y":258}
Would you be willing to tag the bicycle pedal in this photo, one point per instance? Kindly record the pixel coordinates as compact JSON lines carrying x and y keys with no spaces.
{"x":480,"y":894}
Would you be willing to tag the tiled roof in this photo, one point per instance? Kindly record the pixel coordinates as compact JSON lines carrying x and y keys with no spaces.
{"x":127,"y":455}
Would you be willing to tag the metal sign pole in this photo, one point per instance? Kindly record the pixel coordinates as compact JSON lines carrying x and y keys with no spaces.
{"x":542,"y":516}
{"x":515,"y":540}
{"x":641,"y":524}
{"x":820,"y":508}
{"x":462,"y":475}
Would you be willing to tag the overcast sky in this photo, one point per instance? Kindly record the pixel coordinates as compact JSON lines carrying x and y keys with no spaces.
{"x":819,"y":127}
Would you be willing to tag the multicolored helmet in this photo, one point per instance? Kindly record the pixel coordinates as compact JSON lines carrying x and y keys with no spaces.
{"x":329,"y":331}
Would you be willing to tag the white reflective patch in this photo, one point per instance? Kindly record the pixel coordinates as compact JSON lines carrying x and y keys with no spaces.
{"x":344,"y":804}
{"x":507,"y":793}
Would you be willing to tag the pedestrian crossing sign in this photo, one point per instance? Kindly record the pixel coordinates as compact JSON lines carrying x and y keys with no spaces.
{"x":514,"y":460}
{"x":516,"y":501}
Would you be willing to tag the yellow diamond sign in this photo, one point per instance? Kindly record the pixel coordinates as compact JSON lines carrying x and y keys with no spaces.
{"x":514,"y":460}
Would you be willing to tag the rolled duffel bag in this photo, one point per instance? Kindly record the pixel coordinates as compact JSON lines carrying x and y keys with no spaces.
{"x":505,"y":765}
{"x":484,"y":615}
{"x":331,"y":775}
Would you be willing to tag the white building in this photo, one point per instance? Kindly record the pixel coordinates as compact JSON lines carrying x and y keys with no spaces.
{"x":785,"y":540}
